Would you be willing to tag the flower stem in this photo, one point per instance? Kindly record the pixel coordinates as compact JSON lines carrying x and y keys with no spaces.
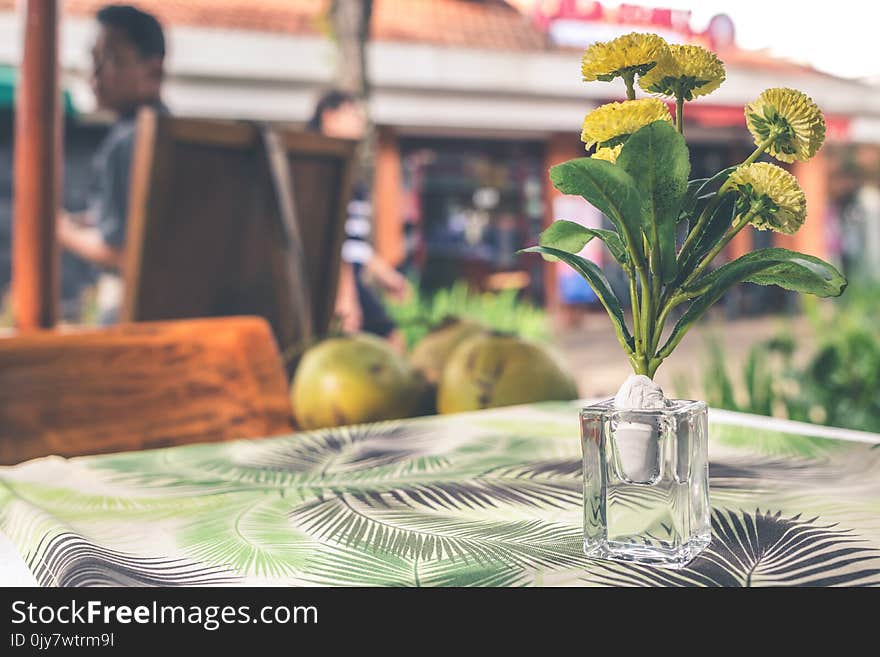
{"x":679,"y":113}
{"x":676,"y":299}
{"x":641,"y":316}
{"x":713,"y":204}
{"x":629,"y":79}
{"x":738,"y":225}
{"x":658,"y":325}
{"x":763,"y":146}
{"x":653,"y":293}
{"x":647,"y":318}
{"x":634,"y":303}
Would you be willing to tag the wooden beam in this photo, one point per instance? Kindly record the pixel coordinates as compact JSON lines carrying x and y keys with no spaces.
{"x":814,"y":177}
{"x":37,"y":171}
{"x":387,"y":208}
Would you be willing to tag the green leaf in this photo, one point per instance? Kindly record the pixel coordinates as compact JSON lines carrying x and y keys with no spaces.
{"x":668,"y":262}
{"x":607,"y":187}
{"x":701,"y":190}
{"x":691,"y":197}
{"x":718,"y":223}
{"x":787,"y":269}
{"x":657,"y":159}
{"x":571,"y":237}
{"x":596,"y":278}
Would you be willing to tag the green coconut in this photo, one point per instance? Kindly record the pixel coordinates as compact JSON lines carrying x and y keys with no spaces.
{"x":354,"y":379}
{"x":492,"y":370}
{"x":432,"y":352}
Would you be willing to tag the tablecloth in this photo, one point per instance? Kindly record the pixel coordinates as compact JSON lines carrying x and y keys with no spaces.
{"x":491,"y":498}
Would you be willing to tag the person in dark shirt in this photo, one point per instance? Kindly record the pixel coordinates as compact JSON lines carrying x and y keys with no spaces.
{"x":338,"y":114}
{"x":128,"y":66}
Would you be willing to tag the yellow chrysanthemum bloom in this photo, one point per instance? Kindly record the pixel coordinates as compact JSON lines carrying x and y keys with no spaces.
{"x":630,"y":54}
{"x":608,"y":126}
{"x":773,"y":194}
{"x":688,"y":72}
{"x":793,"y":117}
{"x":609,"y":153}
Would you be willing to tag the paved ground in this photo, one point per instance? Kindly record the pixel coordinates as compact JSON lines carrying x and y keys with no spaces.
{"x":600,"y":365}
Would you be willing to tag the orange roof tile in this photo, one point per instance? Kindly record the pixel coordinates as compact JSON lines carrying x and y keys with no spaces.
{"x":476,"y":23}
{"x":482,"y":24}
{"x":289,"y":16}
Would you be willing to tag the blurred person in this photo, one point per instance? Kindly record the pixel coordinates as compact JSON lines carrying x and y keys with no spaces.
{"x":864,"y":215}
{"x":842,"y":185}
{"x":128,"y":67}
{"x":861,"y":220}
{"x":338,"y":114}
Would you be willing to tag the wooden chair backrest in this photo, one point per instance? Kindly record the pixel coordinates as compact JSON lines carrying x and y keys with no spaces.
{"x":231,"y":218}
{"x":139,"y":386}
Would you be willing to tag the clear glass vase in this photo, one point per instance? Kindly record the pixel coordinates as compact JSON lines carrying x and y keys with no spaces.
{"x":646,"y":483}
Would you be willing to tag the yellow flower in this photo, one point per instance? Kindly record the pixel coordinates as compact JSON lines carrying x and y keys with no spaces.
{"x":609,"y":153}
{"x":773,"y":194}
{"x":629,"y":54}
{"x":609,"y":126}
{"x":687,"y":72}
{"x":794,"y":119}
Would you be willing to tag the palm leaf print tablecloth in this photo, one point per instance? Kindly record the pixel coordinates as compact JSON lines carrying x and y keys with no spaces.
{"x":491,"y":498}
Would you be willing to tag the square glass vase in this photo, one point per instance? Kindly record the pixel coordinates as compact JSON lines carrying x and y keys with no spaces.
{"x":646,"y":483}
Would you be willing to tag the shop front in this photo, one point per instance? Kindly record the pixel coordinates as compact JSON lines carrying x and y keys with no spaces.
{"x":471,"y":204}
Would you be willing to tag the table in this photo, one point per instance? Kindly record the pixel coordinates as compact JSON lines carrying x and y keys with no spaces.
{"x":491,"y":498}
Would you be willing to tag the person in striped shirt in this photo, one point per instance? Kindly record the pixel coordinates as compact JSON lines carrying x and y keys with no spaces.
{"x":339,"y":114}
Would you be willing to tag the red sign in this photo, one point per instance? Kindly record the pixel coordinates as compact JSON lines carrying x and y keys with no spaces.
{"x":548,"y":11}
{"x":837,"y":128}
{"x":670,"y":19}
{"x":726,"y":116}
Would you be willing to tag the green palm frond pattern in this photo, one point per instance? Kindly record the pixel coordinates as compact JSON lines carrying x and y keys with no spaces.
{"x":492,"y":498}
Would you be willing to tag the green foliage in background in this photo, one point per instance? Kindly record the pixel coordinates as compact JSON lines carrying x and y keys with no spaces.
{"x":90,"y":314}
{"x":839,"y":383}
{"x":499,"y":311}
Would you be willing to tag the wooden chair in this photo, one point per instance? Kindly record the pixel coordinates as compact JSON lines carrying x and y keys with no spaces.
{"x":139,"y":386}
{"x":230,"y":218}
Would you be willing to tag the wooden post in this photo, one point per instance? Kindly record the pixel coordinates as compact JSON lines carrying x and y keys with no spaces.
{"x":37,"y":171}
{"x":350,"y":21}
{"x":387,"y":193}
{"x":813,"y":176}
